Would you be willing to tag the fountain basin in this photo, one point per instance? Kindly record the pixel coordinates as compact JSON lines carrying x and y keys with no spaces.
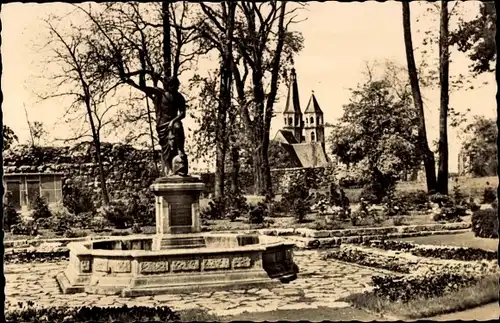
{"x":134,"y":266}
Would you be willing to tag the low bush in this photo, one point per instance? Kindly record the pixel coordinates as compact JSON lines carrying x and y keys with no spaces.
{"x":74,"y":233}
{"x":489,"y":195}
{"x":29,"y":312}
{"x":77,"y":197}
{"x":216,"y":210}
{"x":257,"y":213}
{"x":28,"y":227}
{"x":10,"y":217}
{"x":299,"y":210}
{"x":485,"y":223}
{"x":116,"y":214}
{"x":40,"y":209}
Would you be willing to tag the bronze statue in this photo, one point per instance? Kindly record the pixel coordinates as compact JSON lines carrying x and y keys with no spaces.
{"x":170,"y":107}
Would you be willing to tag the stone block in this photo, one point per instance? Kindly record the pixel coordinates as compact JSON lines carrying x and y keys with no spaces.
{"x":147,"y":267}
{"x":101,"y":264}
{"x":216,"y":263}
{"x":120,"y":266}
{"x":242,"y":262}
{"x":185,"y":265}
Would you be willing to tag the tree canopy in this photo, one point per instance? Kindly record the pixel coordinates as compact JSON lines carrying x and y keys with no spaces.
{"x":480,"y":147}
{"x":477,"y":38}
{"x":378,"y":131}
{"x":9,"y":137}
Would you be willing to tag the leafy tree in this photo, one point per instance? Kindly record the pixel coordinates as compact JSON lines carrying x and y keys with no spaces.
{"x":480,"y":147}
{"x":378,"y":132}
{"x":477,"y":38}
{"x":9,"y":137}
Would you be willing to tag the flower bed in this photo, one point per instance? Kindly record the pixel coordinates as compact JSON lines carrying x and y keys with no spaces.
{"x":430,"y":284}
{"x":428,"y":251}
{"x":19,"y":256}
{"x":31,"y":313}
{"x":361,"y":257}
{"x":424,"y":277}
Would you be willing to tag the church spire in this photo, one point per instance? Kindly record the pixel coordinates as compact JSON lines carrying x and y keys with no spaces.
{"x":292,"y":113}
{"x":292,"y":99}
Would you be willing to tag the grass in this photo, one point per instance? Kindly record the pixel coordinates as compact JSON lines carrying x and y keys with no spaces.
{"x":484,"y":291}
{"x":460,"y":240}
{"x":197,"y":315}
{"x":309,"y":315}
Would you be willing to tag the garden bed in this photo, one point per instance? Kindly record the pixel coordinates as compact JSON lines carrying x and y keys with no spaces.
{"x":29,"y":312}
{"x":432,"y":251}
{"x":483,"y":291}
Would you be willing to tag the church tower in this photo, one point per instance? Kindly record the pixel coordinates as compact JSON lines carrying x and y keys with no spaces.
{"x":292,"y":114}
{"x":314,"y":127}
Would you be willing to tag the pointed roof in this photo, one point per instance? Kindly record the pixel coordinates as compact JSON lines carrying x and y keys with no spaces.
{"x":313,"y":105}
{"x":286,"y":137}
{"x":310,"y":154}
{"x":292,"y":99}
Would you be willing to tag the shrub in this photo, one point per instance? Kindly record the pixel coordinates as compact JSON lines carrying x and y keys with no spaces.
{"x":136,"y":228}
{"x":489,"y":195}
{"x":299,"y":210}
{"x":116,"y":214}
{"x":77,"y":198}
{"x":74,"y":233}
{"x":30,"y":313}
{"x":216,"y":210}
{"x":397,"y":221}
{"x":140,"y":208}
{"x":450,"y":214}
{"x":394,"y":205}
{"x":10,"y":217}
{"x":29,"y":228}
{"x":41,"y":209}
{"x":258,"y":213}
{"x":485,"y":223}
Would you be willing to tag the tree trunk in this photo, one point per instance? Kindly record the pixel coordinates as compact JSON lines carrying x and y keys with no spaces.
{"x":235,"y":172}
{"x":444,"y":64}
{"x":167,"y":66}
{"x":427,"y":154}
{"x":97,"y":143}
{"x":224,"y":101}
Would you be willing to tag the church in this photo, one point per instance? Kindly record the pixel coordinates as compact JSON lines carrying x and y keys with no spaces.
{"x":303,"y":133}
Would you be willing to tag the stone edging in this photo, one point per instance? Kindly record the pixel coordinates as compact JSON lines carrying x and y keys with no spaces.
{"x":373,"y":233}
{"x":311,"y":233}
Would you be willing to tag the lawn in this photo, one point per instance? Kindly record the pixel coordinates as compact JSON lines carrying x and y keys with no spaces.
{"x":460,"y":240}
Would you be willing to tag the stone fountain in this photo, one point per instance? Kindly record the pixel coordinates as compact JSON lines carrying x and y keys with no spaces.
{"x":179,"y":258}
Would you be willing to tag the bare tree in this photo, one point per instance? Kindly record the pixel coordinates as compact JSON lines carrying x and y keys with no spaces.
{"x":427,"y":154}
{"x":262,"y":38}
{"x":80,"y":78}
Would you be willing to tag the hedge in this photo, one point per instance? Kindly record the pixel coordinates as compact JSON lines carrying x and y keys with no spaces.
{"x":485,"y":223}
{"x":29,"y":312}
{"x":428,"y":251}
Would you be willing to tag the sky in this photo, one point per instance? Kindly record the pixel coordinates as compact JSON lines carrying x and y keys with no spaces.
{"x":340,"y":39}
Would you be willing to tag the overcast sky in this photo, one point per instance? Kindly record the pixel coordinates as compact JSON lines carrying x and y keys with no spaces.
{"x":339,"y":39}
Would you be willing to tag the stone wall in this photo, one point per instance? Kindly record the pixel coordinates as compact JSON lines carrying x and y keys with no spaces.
{"x":125,"y":167}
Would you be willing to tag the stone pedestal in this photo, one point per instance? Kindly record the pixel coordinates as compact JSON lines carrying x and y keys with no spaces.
{"x":177,"y":212}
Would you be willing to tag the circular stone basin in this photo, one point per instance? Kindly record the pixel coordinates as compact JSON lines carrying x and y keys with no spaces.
{"x":133,"y":266}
